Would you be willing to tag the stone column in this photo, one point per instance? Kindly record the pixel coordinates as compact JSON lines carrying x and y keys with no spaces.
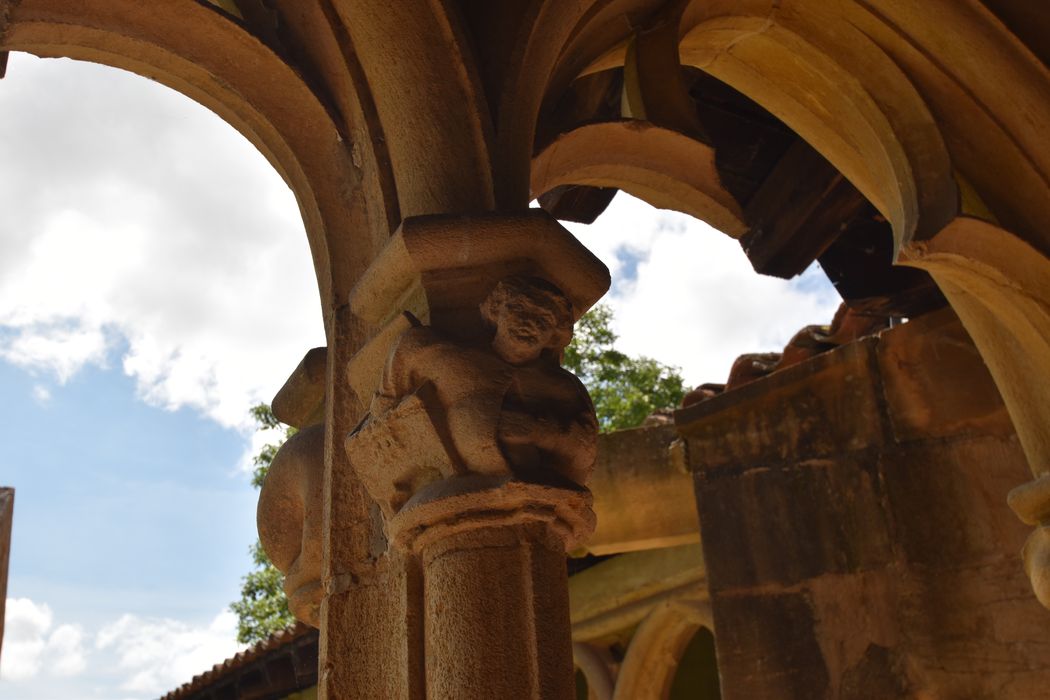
{"x":496,"y":611}
{"x":477,"y":446}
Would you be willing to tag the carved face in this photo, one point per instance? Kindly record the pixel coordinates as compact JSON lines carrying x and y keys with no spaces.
{"x":523,"y":330}
{"x":529,"y":315}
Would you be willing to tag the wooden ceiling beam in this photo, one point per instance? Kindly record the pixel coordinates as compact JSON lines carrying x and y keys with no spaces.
{"x":788,"y":222}
{"x":580,"y":203}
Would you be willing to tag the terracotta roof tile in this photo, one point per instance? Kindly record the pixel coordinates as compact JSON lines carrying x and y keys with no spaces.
{"x":239,"y":661}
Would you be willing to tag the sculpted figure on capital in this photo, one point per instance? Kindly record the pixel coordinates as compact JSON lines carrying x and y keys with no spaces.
{"x":504,"y":409}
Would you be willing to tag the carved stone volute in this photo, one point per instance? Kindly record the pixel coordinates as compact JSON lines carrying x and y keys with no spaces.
{"x":289,"y":513}
{"x":1031,"y":503}
{"x":289,"y":519}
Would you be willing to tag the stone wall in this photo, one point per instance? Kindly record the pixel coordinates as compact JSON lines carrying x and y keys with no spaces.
{"x":855,"y":527}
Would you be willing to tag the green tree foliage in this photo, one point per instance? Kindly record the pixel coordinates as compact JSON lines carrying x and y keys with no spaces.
{"x":263,"y":607}
{"x":625,"y":389}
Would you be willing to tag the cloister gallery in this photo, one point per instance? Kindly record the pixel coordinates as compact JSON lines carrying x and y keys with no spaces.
{"x":865,"y":515}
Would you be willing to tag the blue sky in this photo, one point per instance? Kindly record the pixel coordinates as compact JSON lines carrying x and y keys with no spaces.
{"x":154,"y":283}
{"x":105,"y":482}
{"x":121,"y":509}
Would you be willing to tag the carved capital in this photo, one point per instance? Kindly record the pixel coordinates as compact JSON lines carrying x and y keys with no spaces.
{"x":472,"y":422}
{"x":503,"y":409}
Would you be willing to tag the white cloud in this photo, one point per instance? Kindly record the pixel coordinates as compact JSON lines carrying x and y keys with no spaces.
{"x":25,"y":637}
{"x":60,"y":348}
{"x":143,"y":656}
{"x":41,"y":394}
{"x":146,"y":229}
{"x":155,"y":655}
{"x":65,"y":647}
{"x":692,"y":298}
{"x":31,"y":648}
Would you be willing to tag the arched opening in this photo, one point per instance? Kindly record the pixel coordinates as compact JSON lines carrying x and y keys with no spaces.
{"x":837,"y":78}
{"x":697,"y":674}
{"x":652,"y":667}
{"x":155,"y":285}
{"x":686,"y":294}
{"x":906,"y":114}
{"x":847,"y":81}
{"x":246,"y":83}
{"x":908,"y":129}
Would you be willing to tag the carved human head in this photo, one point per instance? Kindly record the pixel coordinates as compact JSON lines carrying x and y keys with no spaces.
{"x":530,"y":315}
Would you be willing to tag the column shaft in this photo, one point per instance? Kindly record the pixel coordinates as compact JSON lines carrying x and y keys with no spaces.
{"x":497,"y":615}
